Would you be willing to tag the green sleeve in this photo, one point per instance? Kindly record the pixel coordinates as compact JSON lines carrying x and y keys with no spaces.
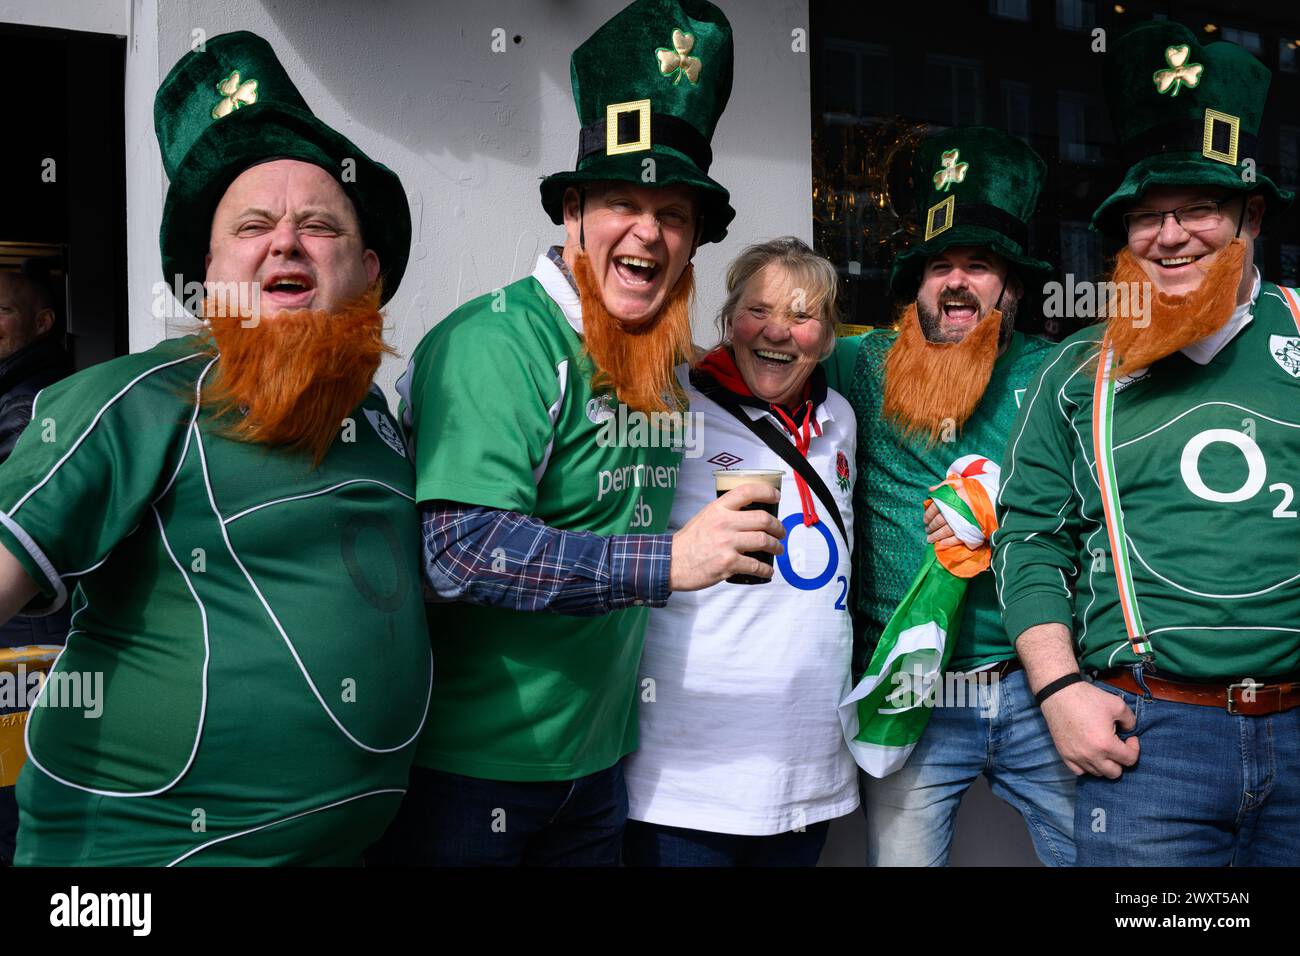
{"x":100,"y":449}
{"x":1034,"y":547}
{"x":482,"y":391}
{"x":839,"y":364}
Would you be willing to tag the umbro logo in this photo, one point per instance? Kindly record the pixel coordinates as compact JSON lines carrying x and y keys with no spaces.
{"x":725,"y":459}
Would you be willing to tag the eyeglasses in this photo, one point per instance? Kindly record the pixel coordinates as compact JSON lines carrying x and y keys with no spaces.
{"x":1194,"y":217}
{"x":762,"y":315}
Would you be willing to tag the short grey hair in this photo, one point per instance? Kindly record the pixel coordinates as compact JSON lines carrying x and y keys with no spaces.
{"x":809,"y":272}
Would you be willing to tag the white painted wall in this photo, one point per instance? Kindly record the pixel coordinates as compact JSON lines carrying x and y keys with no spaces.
{"x":87,"y":16}
{"x":471,"y":132}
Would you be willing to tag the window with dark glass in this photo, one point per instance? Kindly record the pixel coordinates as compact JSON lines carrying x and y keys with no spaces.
{"x":1015,"y":109}
{"x":1010,"y":9}
{"x":1076,"y":14}
{"x":953,"y":87}
{"x":1075,"y":121}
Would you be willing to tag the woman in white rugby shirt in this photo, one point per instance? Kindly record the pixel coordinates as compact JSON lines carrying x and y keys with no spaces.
{"x":742,"y":760}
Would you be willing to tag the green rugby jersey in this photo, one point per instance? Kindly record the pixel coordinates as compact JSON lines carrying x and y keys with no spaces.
{"x":502,"y":414}
{"x":1207,"y":459}
{"x":895,"y":477}
{"x":257,"y":625}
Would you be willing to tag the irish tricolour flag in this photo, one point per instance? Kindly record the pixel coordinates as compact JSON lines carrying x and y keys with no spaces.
{"x":885,"y":715}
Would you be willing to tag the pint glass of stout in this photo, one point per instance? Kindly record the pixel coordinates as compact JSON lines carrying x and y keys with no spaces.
{"x":724,"y":480}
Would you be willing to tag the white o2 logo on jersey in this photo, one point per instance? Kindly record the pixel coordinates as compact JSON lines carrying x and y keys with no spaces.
{"x":1256,"y":470}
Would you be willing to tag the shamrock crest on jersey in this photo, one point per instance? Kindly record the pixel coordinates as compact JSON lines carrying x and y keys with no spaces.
{"x":1286,"y":352}
{"x":598,"y":409}
{"x":386,"y":431}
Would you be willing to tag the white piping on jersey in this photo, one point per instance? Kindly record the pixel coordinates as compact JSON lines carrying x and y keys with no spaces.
{"x":562,"y":374}
{"x":72,"y":621}
{"x":1011,"y":452}
{"x":1084,"y":519}
{"x":1011,"y":455}
{"x":1078,"y":436}
{"x":185,"y":449}
{"x":1181,"y":415}
{"x":337,"y":803}
{"x":47,"y":568}
{"x":198,"y":401}
{"x":97,"y":564}
{"x":207,"y":482}
{"x":323,"y":491}
{"x":95,"y":421}
{"x":999,"y":578}
{"x":1118,"y":647}
{"x":1195,"y":627}
{"x":1277,"y":295}
{"x":203,"y":701}
{"x":1092,"y":585}
{"x":1223,"y":597}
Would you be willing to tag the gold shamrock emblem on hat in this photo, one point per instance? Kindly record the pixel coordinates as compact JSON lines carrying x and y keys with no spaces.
{"x":676,"y":60}
{"x":234,"y":95}
{"x":951,"y":171}
{"x":1180,"y":72}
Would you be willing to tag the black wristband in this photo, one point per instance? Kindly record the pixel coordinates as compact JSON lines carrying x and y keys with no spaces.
{"x":1058,"y":684}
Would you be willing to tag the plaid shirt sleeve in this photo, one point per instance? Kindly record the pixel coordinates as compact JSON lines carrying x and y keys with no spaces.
{"x":505,"y":559}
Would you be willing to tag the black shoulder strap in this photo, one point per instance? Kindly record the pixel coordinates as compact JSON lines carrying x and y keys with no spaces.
{"x":783,"y":446}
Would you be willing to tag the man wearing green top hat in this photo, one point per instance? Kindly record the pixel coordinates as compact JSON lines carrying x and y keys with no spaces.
{"x":534,"y":503}
{"x":230,"y":515}
{"x":1147,"y":507}
{"x":943,"y":386}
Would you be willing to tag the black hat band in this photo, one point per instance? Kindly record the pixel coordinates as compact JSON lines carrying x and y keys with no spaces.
{"x":1219,"y":137}
{"x":976,"y":214}
{"x":664,"y":130}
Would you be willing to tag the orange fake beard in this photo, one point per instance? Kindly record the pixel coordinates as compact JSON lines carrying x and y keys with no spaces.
{"x":637,"y":363}
{"x":297,"y":374}
{"x":932,"y":388}
{"x":1175,"y":321}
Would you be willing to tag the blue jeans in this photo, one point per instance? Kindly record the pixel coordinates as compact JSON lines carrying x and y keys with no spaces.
{"x":1209,"y":789}
{"x":19,"y":631}
{"x":1001,"y":734}
{"x":651,"y":844}
{"x":450,"y":820}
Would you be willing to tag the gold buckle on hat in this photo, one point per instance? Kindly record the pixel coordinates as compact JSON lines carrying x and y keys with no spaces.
{"x":612,"y":112}
{"x":939,"y":218}
{"x":1207,"y":141}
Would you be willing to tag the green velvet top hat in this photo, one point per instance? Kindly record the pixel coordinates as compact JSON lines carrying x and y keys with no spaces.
{"x":651,"y":84}
{"x":230,"y":106}
{"x":1184,"y":115}
{"x":975,"y":186}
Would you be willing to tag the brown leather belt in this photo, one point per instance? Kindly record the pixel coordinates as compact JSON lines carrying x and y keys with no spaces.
{"x":1001,"y":668}
{"x":1009,"y":666}
{"x":1240,"y":698}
